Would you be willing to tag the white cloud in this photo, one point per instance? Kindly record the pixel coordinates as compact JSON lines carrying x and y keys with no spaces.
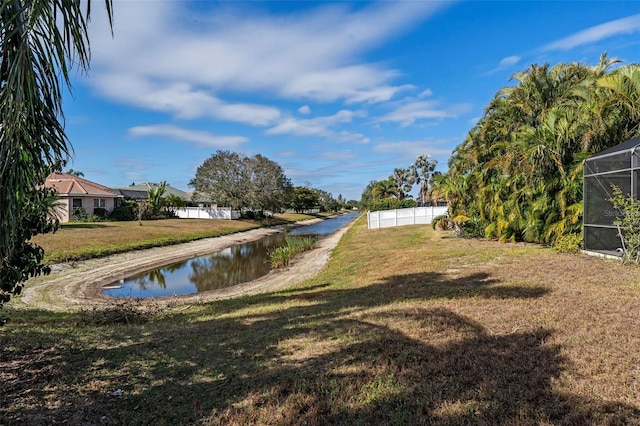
{"x":410,"y":150}
{"x":425,"y":93}
{"x":408,"y":113}
{"x":305,"y":109}
{"x":183,"y":101}
{"x":320,"y":127}
{"x":509,"y":61}
{"x":185,"y":66}
{"x":628,"y":25}
{"x":186,"y":135}
{"x":344,"y":155}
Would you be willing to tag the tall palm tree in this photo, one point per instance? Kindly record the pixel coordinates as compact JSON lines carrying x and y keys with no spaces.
{"x":424,"y":167}
{"x":404,"y":179}
{"x":155,"y":197}
{"x":40,"y":41}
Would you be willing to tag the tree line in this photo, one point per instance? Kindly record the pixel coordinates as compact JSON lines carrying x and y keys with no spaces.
{"x":517,"y":176}
{"x":257,"y":184}
{"x":394,"y":192}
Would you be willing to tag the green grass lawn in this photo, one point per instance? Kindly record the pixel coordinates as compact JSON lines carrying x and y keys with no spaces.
{"x":405,"y":326}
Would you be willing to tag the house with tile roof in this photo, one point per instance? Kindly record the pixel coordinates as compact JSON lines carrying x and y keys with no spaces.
{"x":75,"y":192}
{"x":141,"y":191}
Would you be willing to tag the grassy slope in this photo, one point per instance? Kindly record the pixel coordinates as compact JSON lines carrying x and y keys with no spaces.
{"x":404,"y":327}
{"x":76,"y":241}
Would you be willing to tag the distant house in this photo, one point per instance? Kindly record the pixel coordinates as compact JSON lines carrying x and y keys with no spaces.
{"x":141,"y":191}
{"x":75,"y":192}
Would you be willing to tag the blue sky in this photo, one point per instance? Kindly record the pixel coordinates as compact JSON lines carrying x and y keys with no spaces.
{"x":338,"y":93}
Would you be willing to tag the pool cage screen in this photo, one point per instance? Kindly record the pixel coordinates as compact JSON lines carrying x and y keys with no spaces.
{"x":619,"y":166}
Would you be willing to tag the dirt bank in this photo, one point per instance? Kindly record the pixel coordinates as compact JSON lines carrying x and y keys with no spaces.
{"x":78,"y":285}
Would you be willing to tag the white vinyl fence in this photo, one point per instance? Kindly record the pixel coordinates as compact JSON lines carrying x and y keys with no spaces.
{"x":207,"y":213}
{"x":401,"y":217}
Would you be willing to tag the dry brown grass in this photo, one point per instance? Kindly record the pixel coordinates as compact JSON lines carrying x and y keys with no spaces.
{"x":76,"y":241}
{"x":406,"y":326}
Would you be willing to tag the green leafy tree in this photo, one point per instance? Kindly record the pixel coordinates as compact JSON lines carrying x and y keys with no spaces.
{"x":268,"y":186}
{"x":518,"y":173}
{"x":303,"y":198}
{"x":326,"y":202}
{"x":26,"y":257}
{"x":366,"y":198}
{"x":232,"y":179}
{"x":222,"y":179}
{"x":40,"y":42}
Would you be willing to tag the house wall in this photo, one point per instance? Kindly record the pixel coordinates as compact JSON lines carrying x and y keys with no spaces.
{"x":109,"y":206}
{"x":61,"y":209}
{"x":64,"y":207}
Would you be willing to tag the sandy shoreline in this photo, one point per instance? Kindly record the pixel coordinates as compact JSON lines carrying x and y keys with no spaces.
{"x":79,"y":285}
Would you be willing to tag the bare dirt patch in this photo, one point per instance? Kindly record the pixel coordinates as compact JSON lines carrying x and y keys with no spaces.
{"x":78,"y":285}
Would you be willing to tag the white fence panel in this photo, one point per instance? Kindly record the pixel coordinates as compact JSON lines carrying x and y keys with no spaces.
{"x":207,"y":213}
{"x":401,"y":217}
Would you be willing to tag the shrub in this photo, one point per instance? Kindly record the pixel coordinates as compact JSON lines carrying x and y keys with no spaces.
{"x":124,"y":211}
{"x":473,"y":228}
{"x":628,"y":225}
{"x":80,"y":215}
{"x":407,"y":203}
{"x":100,"y":212}
{"x":571,"y":243}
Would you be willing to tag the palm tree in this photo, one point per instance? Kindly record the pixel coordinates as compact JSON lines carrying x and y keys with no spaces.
{"x":424,"y":167}
{"x":384,"y":189}
{"x":77,"y":173}
{"x":521,"y":165}
{"x":41,"y":40}
{"x":404,"y":179}
{"x":173,"y":202}
{"x":155,"y":197}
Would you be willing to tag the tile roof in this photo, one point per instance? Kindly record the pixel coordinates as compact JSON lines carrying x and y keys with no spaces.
{"x":66,"y":184}
{"x":149,"y":185}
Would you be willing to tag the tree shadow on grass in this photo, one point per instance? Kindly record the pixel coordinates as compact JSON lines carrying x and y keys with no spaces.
{"x":315,"y":355}
{"x":87,"y":225}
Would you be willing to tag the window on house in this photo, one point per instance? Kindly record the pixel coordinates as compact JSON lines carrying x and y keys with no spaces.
{"x":99,"y":203}
{"x":76,"y":202}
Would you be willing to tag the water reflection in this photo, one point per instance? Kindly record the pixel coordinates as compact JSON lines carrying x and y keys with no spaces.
{"x":231,"y":266}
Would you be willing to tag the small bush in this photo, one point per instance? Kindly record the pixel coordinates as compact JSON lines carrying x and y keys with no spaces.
{"x":80,"y":215}
{"x":628,"y":225}
{"x":571,"y":243}
{"x":441,"y":222}
{"x":124,"y":212}
{"x":407,"y":203}
{"x":473,"y":228}
{"x":100,"y":212}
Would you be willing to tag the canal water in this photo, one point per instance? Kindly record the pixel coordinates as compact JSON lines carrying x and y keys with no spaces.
{"x":234,"y":265}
